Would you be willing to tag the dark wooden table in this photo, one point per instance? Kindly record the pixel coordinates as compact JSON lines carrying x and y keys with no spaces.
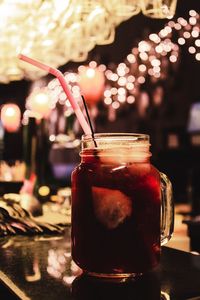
{"x":41,"y":268}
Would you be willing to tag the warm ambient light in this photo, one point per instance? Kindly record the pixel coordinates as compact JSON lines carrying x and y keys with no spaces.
{"x":10,"y":117}
{"x":151,"y":60}
{"x":91,"y":82}
{"x":55,"y":32}
{"x":159,"y":10}
{"x":40,"y":103}
{"x":44,"y":191}
{"x":90,"y":73}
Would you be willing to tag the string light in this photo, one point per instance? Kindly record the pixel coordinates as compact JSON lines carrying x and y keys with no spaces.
{"x":151,"y":60}
{"x":164,"y":56}
{"x":197,"y":56}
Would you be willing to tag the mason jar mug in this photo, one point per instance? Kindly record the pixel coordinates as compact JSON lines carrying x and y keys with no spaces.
{"x":122,"y":210}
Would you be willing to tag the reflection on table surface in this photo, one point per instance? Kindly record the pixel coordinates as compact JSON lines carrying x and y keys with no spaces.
{"x":41,"y":267}
{"x":147,"y":287}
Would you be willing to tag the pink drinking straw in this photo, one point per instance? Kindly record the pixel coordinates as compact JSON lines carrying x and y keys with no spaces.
{"x":61,"y":78}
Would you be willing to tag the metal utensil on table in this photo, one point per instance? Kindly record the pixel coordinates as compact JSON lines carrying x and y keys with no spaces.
{"x":16,"y":220}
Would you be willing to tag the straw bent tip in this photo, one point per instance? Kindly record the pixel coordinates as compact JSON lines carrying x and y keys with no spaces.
{"x":61,"y":78}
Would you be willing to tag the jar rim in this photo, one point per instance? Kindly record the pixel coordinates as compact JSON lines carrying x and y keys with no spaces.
{"x":134,"y":145}
{"x":116,"y":136}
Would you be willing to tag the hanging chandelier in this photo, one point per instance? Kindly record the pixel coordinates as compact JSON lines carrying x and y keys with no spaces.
{"x":56,"y":32}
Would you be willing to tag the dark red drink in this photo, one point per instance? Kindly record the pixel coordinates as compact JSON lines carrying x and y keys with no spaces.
{"x":115,"y":212}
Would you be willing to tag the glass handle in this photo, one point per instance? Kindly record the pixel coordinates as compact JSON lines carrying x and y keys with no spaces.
{"x":167,"y":209}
